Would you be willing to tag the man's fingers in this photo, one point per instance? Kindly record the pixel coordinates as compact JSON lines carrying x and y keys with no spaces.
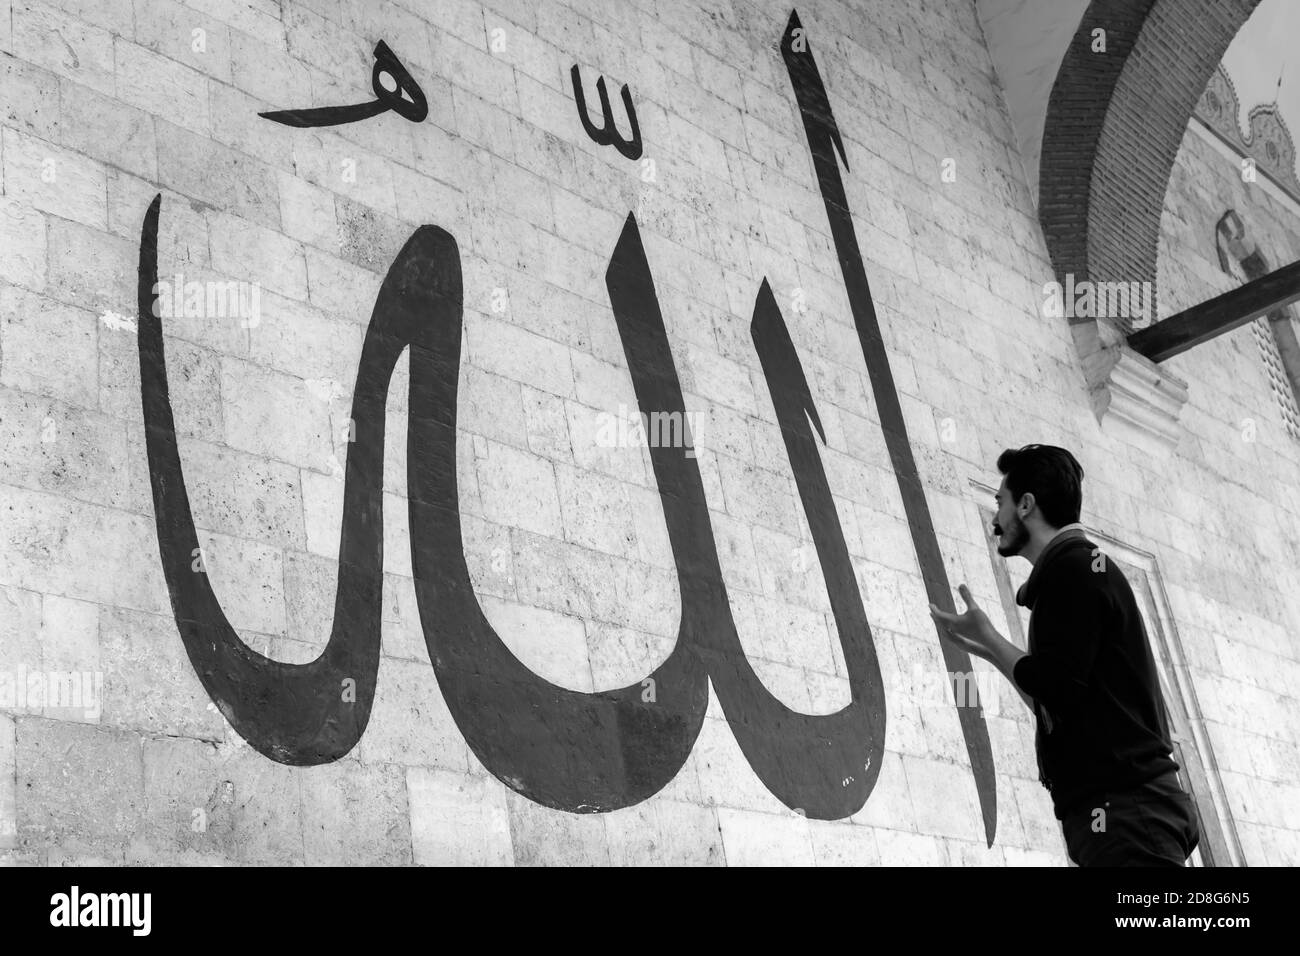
{"x":942,"y":616}
{"x":965,"y":596}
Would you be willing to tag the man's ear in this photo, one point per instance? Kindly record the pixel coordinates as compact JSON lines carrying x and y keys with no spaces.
{"x":1025,"y":506}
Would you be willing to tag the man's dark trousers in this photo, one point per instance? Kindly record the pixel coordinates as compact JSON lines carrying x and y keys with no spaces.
{"x":1153,"y":824}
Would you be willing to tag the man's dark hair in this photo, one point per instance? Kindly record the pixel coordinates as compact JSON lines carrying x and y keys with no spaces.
{"x":1052,"y":474}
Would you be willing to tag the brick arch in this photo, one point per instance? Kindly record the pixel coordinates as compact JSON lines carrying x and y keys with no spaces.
{"x":1115,"y":122}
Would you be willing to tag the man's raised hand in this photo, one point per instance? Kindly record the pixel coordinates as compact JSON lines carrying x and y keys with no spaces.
{"x":972,"y":630}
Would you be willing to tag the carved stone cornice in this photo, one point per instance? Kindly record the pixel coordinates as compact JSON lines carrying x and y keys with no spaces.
{"x":1268,"y":141}
{"x":1131,"y":395}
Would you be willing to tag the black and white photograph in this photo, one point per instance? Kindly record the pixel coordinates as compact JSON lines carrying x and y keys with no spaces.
{"x":646,"y":434}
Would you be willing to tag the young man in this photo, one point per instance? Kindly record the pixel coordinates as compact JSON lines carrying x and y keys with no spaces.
{"x":1102,"y":739}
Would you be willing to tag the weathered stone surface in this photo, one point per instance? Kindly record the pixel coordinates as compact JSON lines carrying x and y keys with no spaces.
{"x":562,"y":521}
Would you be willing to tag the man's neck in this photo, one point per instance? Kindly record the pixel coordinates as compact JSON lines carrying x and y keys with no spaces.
{"x":1041,"y":538}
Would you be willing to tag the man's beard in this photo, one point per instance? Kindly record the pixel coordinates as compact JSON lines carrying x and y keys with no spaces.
{"x":1014,"y":540}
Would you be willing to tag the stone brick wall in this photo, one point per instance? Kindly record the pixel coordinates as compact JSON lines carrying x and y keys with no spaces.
{"x":1238,"y":504}
{"x":109,"y":103}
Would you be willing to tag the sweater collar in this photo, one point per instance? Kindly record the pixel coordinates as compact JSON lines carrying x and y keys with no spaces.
{"x":1028,"y":592}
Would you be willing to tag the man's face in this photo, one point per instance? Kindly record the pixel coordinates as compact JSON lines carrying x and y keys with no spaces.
{"x":1011,"y":531}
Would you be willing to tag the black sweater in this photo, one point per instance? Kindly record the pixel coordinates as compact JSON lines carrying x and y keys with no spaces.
{"x":1101,"y":716}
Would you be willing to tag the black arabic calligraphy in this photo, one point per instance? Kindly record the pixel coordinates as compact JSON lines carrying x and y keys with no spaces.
{"x":406,"y":98}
